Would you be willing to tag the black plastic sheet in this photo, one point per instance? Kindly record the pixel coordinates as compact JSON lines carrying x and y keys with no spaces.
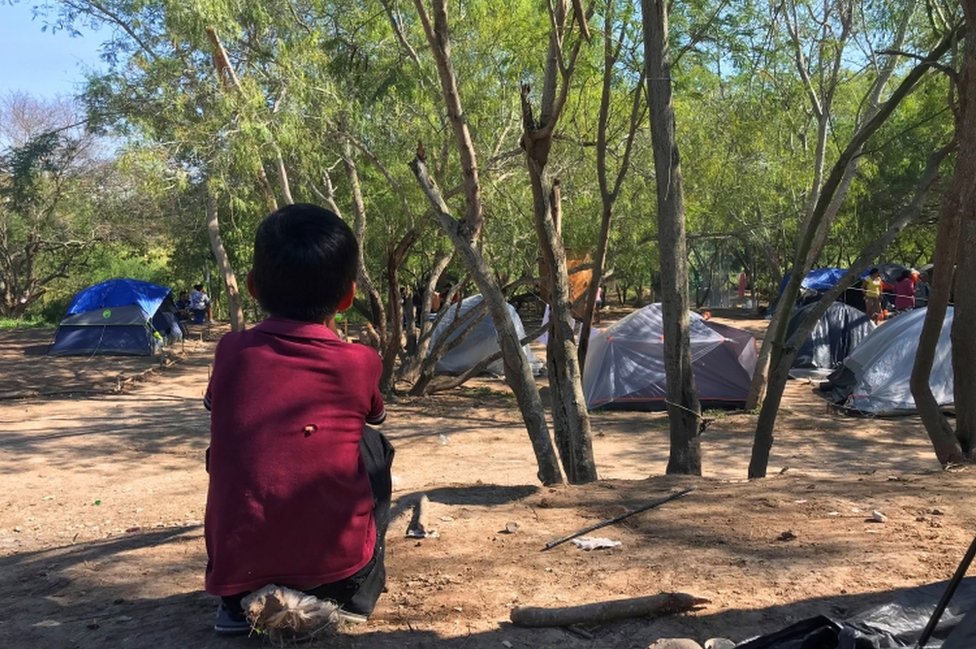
{"x":889,"y":625}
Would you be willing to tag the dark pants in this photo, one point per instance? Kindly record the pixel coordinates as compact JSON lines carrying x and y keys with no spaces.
{"x":358,"y":592}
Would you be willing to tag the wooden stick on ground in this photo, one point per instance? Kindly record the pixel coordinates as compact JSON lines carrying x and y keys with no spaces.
{"x":617,"y":519}
{"x":595,"y":613}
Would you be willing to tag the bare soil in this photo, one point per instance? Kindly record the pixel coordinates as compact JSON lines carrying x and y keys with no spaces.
{"x":103,"y":483}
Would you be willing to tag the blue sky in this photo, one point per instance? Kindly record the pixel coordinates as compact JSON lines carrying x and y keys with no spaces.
{"x":41,"y":63}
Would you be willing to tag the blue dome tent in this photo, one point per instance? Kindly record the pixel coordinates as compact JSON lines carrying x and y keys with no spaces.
{"x":117,"y":316}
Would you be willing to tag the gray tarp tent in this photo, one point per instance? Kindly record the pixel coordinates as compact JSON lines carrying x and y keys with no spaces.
{"x":875,"y":378}
{"x":625,"y":363}
{"x":480,"y":338}
{"x":838,"y":331}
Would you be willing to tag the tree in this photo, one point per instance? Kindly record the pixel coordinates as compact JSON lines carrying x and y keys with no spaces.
{"x":684,"y":412}
{"x":49,"y":175}
{"x":465,"y":232}
{"x":954,"y":244}
{"x":808,"y":247}
{"x":570,"y":418}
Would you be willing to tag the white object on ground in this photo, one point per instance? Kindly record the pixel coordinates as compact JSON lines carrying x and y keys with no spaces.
{"x":595,"y":543}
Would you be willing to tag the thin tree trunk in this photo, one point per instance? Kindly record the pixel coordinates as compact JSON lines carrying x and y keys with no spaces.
{"x":776,"y":334}
{"x":816,"y":226}
{"x":223,"y":265}
{"x":684,"y":412}
{"x":608,"y":193}
{"x":227,"y":74}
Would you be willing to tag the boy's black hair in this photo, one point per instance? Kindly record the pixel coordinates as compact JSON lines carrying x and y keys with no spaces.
{"x":873,"y":271}
{"x":198,"y":287}
{"x":305,"y":260}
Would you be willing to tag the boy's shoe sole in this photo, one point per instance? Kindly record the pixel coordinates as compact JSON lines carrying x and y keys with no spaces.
{"x":227,"y":624}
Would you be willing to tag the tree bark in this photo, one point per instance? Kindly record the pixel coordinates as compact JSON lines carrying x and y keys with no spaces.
{"x":600,"y":612}
{"x":684,"y":412}
{"x":963,"y":340}
{"x":223,"y":265}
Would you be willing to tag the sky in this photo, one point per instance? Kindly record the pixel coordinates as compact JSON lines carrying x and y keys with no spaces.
{"x":40,"y":63}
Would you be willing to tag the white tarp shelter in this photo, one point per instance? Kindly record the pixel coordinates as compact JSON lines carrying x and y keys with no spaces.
{"x":625,"y":363}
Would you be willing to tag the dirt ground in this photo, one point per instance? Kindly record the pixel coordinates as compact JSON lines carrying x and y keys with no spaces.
{"x":103,"y":483}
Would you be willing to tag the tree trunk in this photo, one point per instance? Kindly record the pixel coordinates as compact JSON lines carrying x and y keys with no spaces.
{"x":683,"y":408}
{"x":955,"y":241}
{"x":223,"y":265}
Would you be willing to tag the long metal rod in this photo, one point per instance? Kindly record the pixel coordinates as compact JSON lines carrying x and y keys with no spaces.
{"x":615,"y":519}
{"x":947,"y":595}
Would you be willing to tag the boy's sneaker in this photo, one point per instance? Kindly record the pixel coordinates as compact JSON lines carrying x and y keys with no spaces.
{"x":229,"y":623}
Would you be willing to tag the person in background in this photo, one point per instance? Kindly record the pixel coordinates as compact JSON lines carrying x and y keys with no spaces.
{"x":199,"y":304}
{"x":300,"y":485}
{"x":598,"y":305}
{"x":922,"y":290}
{"x":905,"y":291}
{"x":872,"y":295}
{"x":183,"y":306}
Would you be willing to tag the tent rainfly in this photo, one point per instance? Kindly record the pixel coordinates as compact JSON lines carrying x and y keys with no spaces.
{"x":625,"y":363}
{"x":875,"y":378}
{"x":118,"y":316}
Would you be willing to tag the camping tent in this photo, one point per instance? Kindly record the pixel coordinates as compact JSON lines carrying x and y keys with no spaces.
{"x":874,"y":379}
{"x":117,"y":316}
{"x":835,"y":335}
{"x":479,"y":338}
{"x":625,"y":363}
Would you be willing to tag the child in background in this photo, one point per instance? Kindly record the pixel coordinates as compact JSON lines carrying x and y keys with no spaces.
{"x":300,"y":487}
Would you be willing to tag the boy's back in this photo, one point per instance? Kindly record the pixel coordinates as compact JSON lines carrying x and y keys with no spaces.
{"x":288,"y":402}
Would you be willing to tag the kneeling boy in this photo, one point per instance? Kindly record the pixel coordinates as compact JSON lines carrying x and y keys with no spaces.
{"x":300,"y":487}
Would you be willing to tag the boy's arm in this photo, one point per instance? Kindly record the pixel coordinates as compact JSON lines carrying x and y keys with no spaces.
{"x":377,"y":410}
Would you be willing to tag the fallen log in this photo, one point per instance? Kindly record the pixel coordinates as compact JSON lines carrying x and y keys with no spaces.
{"x":598,"y":612}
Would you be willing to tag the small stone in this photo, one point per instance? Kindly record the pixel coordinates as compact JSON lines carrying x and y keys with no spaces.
{"x":788,"y":535}
{"x":877,"y":517}
{"x":507,"y":644}
{"x":511,"y":527}
{"x":674,"y":643}
{"x":937,"y":512}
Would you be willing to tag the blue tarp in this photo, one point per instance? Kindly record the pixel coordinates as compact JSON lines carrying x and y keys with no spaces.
{"x":818,"y":279}
{"x":119,"y":292}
